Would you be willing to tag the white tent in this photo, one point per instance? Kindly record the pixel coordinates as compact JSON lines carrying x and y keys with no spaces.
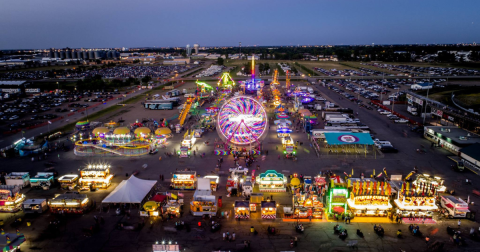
{"x":133,"y":190}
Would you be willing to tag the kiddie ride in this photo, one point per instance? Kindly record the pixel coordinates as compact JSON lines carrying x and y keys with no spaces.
{"x":98,"y":146}
{"x":187,"y":144}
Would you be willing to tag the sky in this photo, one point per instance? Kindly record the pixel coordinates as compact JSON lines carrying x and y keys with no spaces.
{"x":36,"y":24}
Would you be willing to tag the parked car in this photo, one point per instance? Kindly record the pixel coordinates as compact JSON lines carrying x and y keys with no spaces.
{"x":388,"y":149}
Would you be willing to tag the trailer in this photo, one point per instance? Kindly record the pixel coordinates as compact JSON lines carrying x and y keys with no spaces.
{"x":34,"y":206}
{"x":42,"y":180}
{"x":456,"y":207}
{"x":159,"y":105}
{"x":22,"y":179}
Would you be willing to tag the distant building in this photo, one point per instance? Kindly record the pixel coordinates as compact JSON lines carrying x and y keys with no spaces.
{"x":83,"y":54}
{"x":180,"y":61}
{"x":195,"y":46}
{"x":189,"y":50}
{"x":450,"y":138}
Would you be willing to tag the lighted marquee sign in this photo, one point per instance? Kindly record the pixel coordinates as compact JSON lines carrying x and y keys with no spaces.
{"x":348,"y":139}
{"x":242,"y":120}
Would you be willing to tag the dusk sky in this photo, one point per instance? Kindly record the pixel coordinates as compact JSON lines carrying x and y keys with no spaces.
{"x":141,"y":23}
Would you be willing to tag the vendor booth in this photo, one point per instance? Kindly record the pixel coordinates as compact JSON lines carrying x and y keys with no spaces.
{"x":337,"y":196}
{"x":242,"y":209}
{"x":271,"y":181}
{"x":95,"y":176}
{"x":189,"y":141}
{"x":42,"y":180}
{"x":417,"y":199}
{"x":456,"y":207}
{"x":68,"y":182}
{"x":21,"y":179}
{"x":369,"y":197}
{"x":11,"y":242}
{"x":10,"y":198}
{"x":153,"y":206}
{"x":306,"y":205}
{"x":255,"y":201}
{"x":73,"y":203}
{"x":214,"y":181}
{"x":161,"y":135}
{"x":269,"y":210}
{"x":34,"y":206}
{"x":184,"y":180}
{"x":203,"y":203}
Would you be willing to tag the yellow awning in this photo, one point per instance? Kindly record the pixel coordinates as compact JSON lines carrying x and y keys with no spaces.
{"x":163,"y":131}
{"x":100,"y":130}
{"x":121,"y":131}
{"x":142,"y":130}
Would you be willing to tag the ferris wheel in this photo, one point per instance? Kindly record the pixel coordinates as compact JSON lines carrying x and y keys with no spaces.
{"x":242,"y":120}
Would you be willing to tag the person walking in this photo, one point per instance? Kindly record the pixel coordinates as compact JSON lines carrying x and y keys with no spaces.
{"x":427,"y":239}
{"x":58,"y":156}
{"x":459,"y":222}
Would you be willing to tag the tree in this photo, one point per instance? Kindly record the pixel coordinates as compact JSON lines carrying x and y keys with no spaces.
{"x":220,"y":61}
{"x":146,"y":79}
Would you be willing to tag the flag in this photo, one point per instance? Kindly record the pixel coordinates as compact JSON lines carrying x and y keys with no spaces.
{"x":173,"y":196}
{"x":181,"y":194}
{"x":49,"y":122}
{"x":168,"y":194}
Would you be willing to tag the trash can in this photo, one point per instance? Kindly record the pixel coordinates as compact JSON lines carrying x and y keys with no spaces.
{"x":252,"y":229}
{"x":29,"y":223}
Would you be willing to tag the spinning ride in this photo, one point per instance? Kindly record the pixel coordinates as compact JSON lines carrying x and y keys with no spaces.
{"x":242,"y":120}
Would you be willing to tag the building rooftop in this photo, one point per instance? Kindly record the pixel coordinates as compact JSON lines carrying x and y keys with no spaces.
{"x":472,"y":151}
{"x":12,"y":83}
{"x":455,"y":134}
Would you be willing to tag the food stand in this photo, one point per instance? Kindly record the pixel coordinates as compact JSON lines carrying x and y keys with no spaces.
{"x":337,"y":195}
{"x":456,"y":207}
{"x":95,"y":176}
{"x":10,"y":198}
{"x":68,"y":182}
{"x":417,"y":199}
{"x":184,"y":180}
{"x":369,"y":197}
{"x":173,"y":207}
{"x":214,"y":181}
{"x":42,"y":180}
{"x":271,"y":181}
{"x":203,"y":203}
{"x":255,"y":199}
{"x":269,"y":210}
{"x":22,"y":179}
{"x":306,"y":205}
{"x":73,"y":203}
{"x":242,"y":209}
{"x":34,"y":206}
{"x":153,"y":206}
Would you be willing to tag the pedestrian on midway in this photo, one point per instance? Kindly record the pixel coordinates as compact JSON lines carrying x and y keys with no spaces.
{"x":459,"y":222}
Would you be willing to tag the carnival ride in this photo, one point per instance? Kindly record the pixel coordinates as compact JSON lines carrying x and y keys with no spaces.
{"x":242,"y":120}
{"x":186,"y":110}
{"x":226,"y":80}
{"x":287,"y":79}
{"x":253,"y":84}
{"x":275,"y":78}
{"x":203,"y":86}
{"x":100,"y":146}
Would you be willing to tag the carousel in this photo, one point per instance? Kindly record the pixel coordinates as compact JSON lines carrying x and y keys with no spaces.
{"x":142,"y":133}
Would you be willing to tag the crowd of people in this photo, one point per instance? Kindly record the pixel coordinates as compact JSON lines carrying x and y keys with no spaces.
{"x":111,"y":72}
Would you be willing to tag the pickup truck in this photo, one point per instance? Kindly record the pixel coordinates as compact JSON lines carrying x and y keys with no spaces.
{"x":238,"y":170}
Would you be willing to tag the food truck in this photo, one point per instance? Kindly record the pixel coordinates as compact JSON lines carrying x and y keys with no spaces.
{"x":269,"y":210}
{"x":22,"y":179}
{"x":72,"y":203}
{"x":271,"y":181}
{"x":255,"y":200}
{"x":68,"y":182}
{"x":34,"y":206}
{"x":42,"y":180}
{"x":214,"y":181}
{"x":242,"y":209}
{"x":287,"y":142}
{"x":203,"y":203}
{"x":456,"y":207}
{"x":10,"y":198}
{"x":306,"y":205}
{"x":417,"y":199}
{"x":95,"y":177}
{"x":153,"y":206}
{"x":369,"y":197}
{"x":184,"y":180}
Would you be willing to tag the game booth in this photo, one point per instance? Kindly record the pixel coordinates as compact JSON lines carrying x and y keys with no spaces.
{"x":456,"y":207}
{"x":418,"y":199}
{"x":10,"y":198}
{"x":306,"y":205}
{"x":256,"y":200}
{"x":369,"y":197}
{"x":203,"y":203}
{"x":42,"y":180}
{"x":337,"y":196}
{"x":72,"y":203}
{"x":269,"y":210}
{"x":172,"y":207}
{"x":34,"y":206}
{"x":242,"y":209}
{"x":95,"y":177}
{"x":184,"y":180}
{"x":21,"y":179}
{"x":271,"y":181}
{"x":69,"y":181}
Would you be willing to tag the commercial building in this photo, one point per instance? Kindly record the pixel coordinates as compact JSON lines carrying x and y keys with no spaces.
{"x":451,"y":138}
{"x":176,"y":61}
{"x":471,"y":155}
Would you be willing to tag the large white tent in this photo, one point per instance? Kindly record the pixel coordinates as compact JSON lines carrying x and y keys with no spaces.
{"x":132,"y":190}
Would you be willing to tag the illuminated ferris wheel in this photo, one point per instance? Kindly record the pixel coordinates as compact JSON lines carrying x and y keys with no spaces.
{"x":242,"y":120}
